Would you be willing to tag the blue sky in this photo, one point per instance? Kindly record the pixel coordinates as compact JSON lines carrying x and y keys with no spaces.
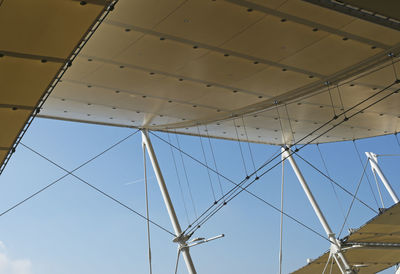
{"x":70,"y":228}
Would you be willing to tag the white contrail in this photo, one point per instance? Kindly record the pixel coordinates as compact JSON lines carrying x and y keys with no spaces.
{"x":138,"y":181}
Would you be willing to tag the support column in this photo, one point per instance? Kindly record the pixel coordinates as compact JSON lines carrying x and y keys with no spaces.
{"x":335,"y":244}
{"x":373,"y":160}
{"x":181,"y":239}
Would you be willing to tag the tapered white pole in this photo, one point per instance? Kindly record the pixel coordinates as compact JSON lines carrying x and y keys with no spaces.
{"x":375,"y":167}
{"x":167,"y":200}
{"x":335,"y":247}
{"x":308,"y":192}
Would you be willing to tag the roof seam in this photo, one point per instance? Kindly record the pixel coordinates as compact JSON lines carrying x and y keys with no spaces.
{"x":32,"y":56}
{"x":216,"y":49}
{"x":306,"y":22}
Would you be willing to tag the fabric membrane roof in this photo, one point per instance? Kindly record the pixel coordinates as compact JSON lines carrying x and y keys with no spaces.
{"x":37,"y":39}
{"x":276,"y":72}
{"x":373,"y":247}
{"x":261,"y":71}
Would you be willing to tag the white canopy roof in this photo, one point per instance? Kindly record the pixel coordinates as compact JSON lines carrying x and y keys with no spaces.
{"x":37,"y":38}
{"x":179,"y":65}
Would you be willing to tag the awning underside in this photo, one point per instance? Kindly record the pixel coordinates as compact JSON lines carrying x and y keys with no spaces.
{"x":373,"y":247}
{"x":37,"y":38}
{"x":181,"y":65}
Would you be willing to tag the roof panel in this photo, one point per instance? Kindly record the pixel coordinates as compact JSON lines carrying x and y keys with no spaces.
{"x":272,"y":39}
{"x":3,"y":153}
{"x":37,"y":39}
{"x":330,"y":55}
{"x":372,"y":248}
{"x":184,"y":64}
{"x":210,"y":22}
{"x":370,"y":30}
{"x":43,"y":27}
{"x":131,"y":12}
{"x":307,"y":11}
{"x":10,"y":124}
{"x":214,"y":67}
{"x":384,"y":228}
{"x":19,"y":75}
{"x":159,"y":53}
{"x":273,"y":81}
{"x":110,"y":40}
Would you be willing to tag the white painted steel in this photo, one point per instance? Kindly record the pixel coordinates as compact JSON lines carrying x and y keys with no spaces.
{"x":375,"y":168}
{"x":203,"y":241}
{"x":167,"y":200}
{"x":335,"y":244}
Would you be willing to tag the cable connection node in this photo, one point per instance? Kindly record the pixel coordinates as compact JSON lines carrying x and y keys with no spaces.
{"x":181,"y":238}
{"x":202,"y":240}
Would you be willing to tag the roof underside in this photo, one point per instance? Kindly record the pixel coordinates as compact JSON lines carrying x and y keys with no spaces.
{"x":258,"y":71}
{"x":202,"y":67}
{"x":373,"y":247}
{"x":37,"y":38}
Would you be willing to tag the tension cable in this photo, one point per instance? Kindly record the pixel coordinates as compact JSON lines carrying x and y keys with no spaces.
{"x":186,"y":175}
{"x":369,"y":182}
{"x":205,"y":160}
{"x":215,"y":162}
{"x":238,"y":187}
{"x":231,"y":195}
{"x":240,"y":147}
{"x":147,"y":207}
{"x":352,"y":201}
{"x":333,"y":187}
{"x":90,"y":185}
{"x":62,"y":177}
{"x":179,"y":182}
{"x":249,"y":147}
{"x":247,"y":191}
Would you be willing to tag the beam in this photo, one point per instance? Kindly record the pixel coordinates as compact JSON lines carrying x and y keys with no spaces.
{"x":32,"y":56}
{"x":335,"y":249}
{"x":305,"y":22}
{"x":181,"y":239}
{"x":363,"y":11}
{"x":373,"y":160}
